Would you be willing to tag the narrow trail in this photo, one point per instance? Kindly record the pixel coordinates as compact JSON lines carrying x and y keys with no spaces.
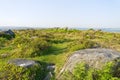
{"x":64,"y":67}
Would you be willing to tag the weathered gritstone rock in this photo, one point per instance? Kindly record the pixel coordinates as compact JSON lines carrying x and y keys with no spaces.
{"x":9,"y":32}
{"x":23,"y":62}
{"x":95,"y":58}
{"x":50,"y":68}
{"x":29,"y":63}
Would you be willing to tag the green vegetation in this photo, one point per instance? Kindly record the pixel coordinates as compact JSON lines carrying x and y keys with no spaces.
{"x":51,"y":46}
{"x":12,"y":72}
{"x":83,"y":72}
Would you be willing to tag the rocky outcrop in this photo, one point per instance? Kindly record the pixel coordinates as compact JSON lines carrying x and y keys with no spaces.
{"x":7,"y":34}
{"x":10,"y":32}
{"x":23,"y":62}
{"x":95,"y":58}
{"x":49,"y":68}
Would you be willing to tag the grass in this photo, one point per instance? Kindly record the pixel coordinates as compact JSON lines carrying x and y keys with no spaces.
{"x":57,"y":54}
{"x":55,"y":45}
{"x":83,"y":72}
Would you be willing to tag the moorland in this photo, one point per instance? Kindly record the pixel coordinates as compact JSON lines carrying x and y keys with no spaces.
{"x":54,"y":46}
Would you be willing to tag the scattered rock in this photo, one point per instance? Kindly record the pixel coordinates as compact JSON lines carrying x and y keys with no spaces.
{"x":5,"y":55}
{"x":29,"y":63}
{"x":23,"y":62}
{"x":49,"y":76}
{"x":10,"y":32}
{"x":34,"y":37}
{"x":7,"y":34}
{"x":51,"y":67}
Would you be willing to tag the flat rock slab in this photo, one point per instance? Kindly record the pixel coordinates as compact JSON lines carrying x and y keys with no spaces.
{"x":95,"y":58}
{"x":23,"y":62}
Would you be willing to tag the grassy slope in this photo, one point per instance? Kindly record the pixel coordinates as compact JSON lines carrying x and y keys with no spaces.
{"x":63,"y":42}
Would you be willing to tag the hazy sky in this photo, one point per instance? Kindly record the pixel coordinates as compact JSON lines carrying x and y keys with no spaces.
{"x":53,"y":13}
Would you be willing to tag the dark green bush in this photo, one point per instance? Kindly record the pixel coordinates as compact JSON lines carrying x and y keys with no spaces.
{"x":82,"y":44}
{"x":39,"y":46}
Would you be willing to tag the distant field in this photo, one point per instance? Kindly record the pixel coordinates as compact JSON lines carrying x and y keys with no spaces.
{"x":103,"y":29}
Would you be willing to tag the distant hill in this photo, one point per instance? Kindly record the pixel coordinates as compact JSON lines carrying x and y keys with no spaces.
{"x":4,"y":28}
{"x":103,"y":29}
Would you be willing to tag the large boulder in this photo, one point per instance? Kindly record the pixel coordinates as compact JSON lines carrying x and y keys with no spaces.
{"x":95,"y":58}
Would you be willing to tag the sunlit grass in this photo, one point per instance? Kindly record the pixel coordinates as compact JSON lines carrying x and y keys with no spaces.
{"x":55,"y":45}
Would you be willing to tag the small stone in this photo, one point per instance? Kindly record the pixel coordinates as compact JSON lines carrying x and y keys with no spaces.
{"x":4,"y":55}
{"x":51,"y":67}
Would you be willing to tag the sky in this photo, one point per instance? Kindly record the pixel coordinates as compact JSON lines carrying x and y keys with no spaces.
{"x":60,"y":13}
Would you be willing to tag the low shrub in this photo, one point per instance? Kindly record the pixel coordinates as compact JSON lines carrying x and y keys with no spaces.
{"x":82,"y":44}
{"x":84,"y":72}
{"x":2,"y":42}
